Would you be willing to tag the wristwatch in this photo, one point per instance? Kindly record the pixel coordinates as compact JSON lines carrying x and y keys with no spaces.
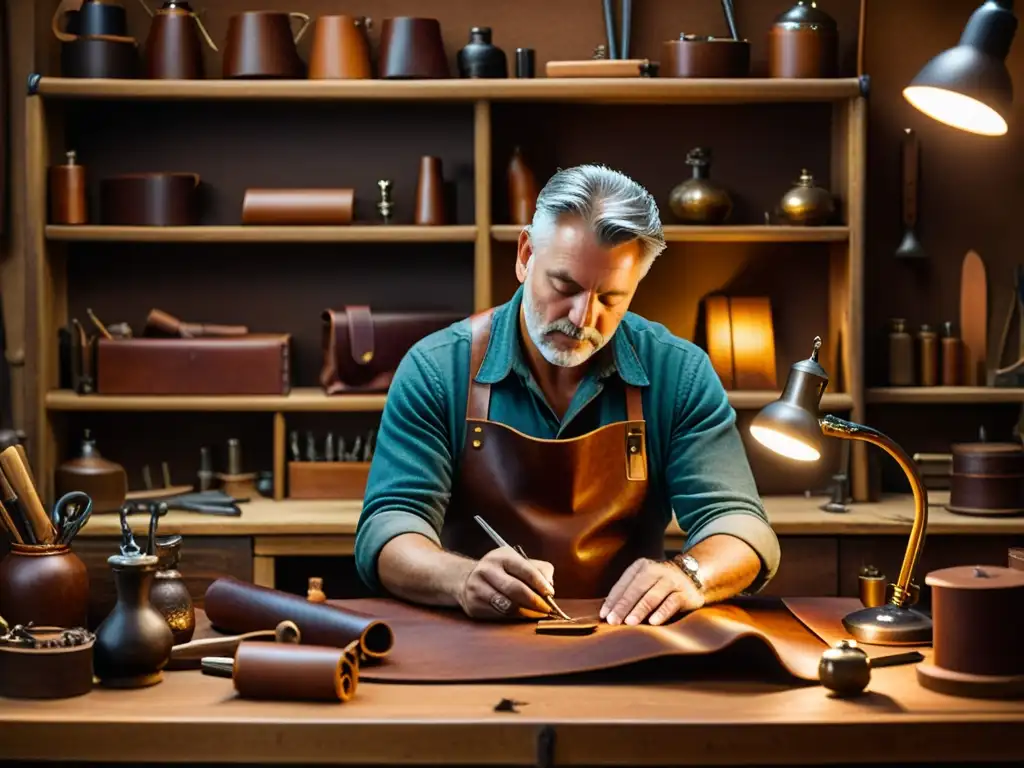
{"x":688,"y":564}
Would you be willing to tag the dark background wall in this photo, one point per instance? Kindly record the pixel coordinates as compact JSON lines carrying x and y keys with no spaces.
{"x":971,"y":195}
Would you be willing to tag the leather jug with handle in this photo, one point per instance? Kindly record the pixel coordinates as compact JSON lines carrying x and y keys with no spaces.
{"x":173,"y":48}
{"x":340,"y":49}
{"x":261,"y":44}
{"x":92,"y":19}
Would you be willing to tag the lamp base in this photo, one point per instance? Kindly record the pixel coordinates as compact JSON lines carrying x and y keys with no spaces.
{"x":889,"y":625}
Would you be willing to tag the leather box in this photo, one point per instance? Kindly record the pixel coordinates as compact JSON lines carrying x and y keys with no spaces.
{"x":327,"y":479}
{"x":257,"y":364}
{"x":362,"y":349}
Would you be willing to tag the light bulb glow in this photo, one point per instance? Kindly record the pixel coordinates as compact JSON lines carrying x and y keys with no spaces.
{"x":783,"y":444}
{"x":956,"y":110}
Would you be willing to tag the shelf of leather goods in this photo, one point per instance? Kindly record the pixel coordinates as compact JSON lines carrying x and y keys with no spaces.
{"x":676,"y":233}
{"x":260,"y":234}
{"x":789,"y":516}
{"x":945,"y":395}
{"x":587,"y":90}
{"x":314,"y":399}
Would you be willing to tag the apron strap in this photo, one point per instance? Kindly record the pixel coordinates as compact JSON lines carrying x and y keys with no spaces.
{"x":634,"y":403}
{"x":478,"y":404}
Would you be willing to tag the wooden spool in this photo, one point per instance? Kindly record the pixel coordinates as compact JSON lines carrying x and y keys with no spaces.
{"x":976,"y":651}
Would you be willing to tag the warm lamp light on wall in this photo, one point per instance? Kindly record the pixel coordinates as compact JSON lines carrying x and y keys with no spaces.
{"x":968,"y":86}
{"x":792,"y":427}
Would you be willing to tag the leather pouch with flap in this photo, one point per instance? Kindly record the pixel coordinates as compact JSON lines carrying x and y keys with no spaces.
{"x":257,"y":364}
{"x":362,"y":349}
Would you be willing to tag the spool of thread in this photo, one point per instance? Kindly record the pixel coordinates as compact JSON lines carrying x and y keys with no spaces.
{"x":67,"y":192}
{"x":950,"y":356}
{"x":901,"y":355}
{"x":976,"y":650}
{"x":928,"y":344}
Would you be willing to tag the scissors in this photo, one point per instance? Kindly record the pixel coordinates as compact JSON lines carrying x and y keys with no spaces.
{"x":70,"y":513}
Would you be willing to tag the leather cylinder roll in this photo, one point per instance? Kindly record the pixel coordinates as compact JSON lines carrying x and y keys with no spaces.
{"x":67,"y":193}
{"x":412,"y":48}
{"x":294,"y":672}
{"x":310,"y":207}
{"x":988,"y":458}
{"x":235,"y":607}
{"x":987,"y":479}
{"x":976,"y":650}
{"x":430,"y":193}
{"x":696,"y":56}
{"x":150,"y":199}
{"x":100,"y":58}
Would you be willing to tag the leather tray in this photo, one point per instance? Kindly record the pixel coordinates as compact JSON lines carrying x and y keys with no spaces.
{"x":441,"y":645}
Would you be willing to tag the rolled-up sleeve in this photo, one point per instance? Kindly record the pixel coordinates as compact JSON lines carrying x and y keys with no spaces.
{"x":710,"y":483}
{"x":410,"y":479}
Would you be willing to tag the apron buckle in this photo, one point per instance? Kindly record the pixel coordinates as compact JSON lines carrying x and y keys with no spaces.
{"x":636,"y":456}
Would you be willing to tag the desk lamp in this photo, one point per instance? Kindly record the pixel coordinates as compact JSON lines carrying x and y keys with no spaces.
{"x":968,"y":86}
{"x":791,"y":427}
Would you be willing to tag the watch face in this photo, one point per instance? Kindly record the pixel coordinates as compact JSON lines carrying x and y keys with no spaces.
{"x":690,"y":563}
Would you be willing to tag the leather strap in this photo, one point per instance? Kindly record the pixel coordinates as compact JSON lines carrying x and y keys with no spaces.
{"x":478,"y":404}
{"x":634,"y":403}
{"x":360,"y":333}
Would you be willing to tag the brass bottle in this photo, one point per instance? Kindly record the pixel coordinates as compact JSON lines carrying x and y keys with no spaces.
{"x":928,"y":345}
{"x":901,"y":355}
{"x":950,"y":356}
{"x":807,"y":204}
{"x":697,"y":200}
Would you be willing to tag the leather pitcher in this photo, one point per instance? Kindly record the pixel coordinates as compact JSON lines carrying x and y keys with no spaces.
{"x":173,"y":50}
{"x":93,"y":19}
{"x":94,"y":40}
{"x":576,"y":503}
{"x":261,"y":44}
{"x":340,"y":49}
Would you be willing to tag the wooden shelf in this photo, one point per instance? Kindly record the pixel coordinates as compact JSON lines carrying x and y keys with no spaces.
{"x":945,"y":395}
{"x":789,"y":515}
{"x":300,"y":399}
{"x":676,"y":233}
{"x":586,"y":90}
{"x":312,"y":399}
{"x":254,"y":234}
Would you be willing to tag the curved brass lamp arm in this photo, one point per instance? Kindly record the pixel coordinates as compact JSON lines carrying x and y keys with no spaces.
{"x":836,"y":427}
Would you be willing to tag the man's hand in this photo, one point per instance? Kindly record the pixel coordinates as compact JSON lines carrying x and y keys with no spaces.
{"x":502,"y":585}
{"x":649,"y":588}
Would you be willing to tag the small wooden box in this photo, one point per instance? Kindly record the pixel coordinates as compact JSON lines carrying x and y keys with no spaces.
{"x":327,"y":479}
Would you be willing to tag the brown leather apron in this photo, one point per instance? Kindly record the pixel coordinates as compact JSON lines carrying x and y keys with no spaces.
{"x":576,"y":503}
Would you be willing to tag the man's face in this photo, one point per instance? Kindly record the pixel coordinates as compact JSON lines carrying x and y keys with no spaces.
{"x":575,"y":292}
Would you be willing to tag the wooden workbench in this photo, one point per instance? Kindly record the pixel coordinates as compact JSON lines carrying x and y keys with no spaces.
{"x":192,"y":718}
{"x":821,"y":552}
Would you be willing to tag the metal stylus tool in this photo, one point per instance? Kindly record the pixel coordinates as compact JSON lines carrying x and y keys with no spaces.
{"x":519,"y":550}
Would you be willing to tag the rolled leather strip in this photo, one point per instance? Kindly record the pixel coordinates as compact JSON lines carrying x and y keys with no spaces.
{"x":597,"y":68}
{"x":988,"y":459}
{"x":304,"y":207}
{"x":235,"y":607}
{"x":150,"y":199}
{"x":295,"y":672}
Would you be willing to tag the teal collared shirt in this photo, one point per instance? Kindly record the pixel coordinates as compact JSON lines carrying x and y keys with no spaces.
{"x":697,"y":466}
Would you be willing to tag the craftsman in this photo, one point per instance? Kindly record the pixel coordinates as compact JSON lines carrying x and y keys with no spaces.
{"x":575,"y":429}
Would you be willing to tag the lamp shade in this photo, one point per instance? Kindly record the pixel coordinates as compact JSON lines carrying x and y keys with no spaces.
{"x":968,"y":87}
{"x":789,"y":426}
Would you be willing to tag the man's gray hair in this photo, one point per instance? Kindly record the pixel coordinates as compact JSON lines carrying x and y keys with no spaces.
{"x":616,"y":208}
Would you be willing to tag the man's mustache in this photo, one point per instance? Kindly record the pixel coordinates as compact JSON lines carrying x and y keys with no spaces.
{"x":573,"y":331}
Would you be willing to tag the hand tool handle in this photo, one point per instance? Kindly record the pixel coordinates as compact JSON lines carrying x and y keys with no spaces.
{"x":20,"y":479}
{"x":911,"y":153}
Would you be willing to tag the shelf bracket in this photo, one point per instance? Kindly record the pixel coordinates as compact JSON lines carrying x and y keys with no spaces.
{"x":865,"y":85}
{"x":33,"y":83}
